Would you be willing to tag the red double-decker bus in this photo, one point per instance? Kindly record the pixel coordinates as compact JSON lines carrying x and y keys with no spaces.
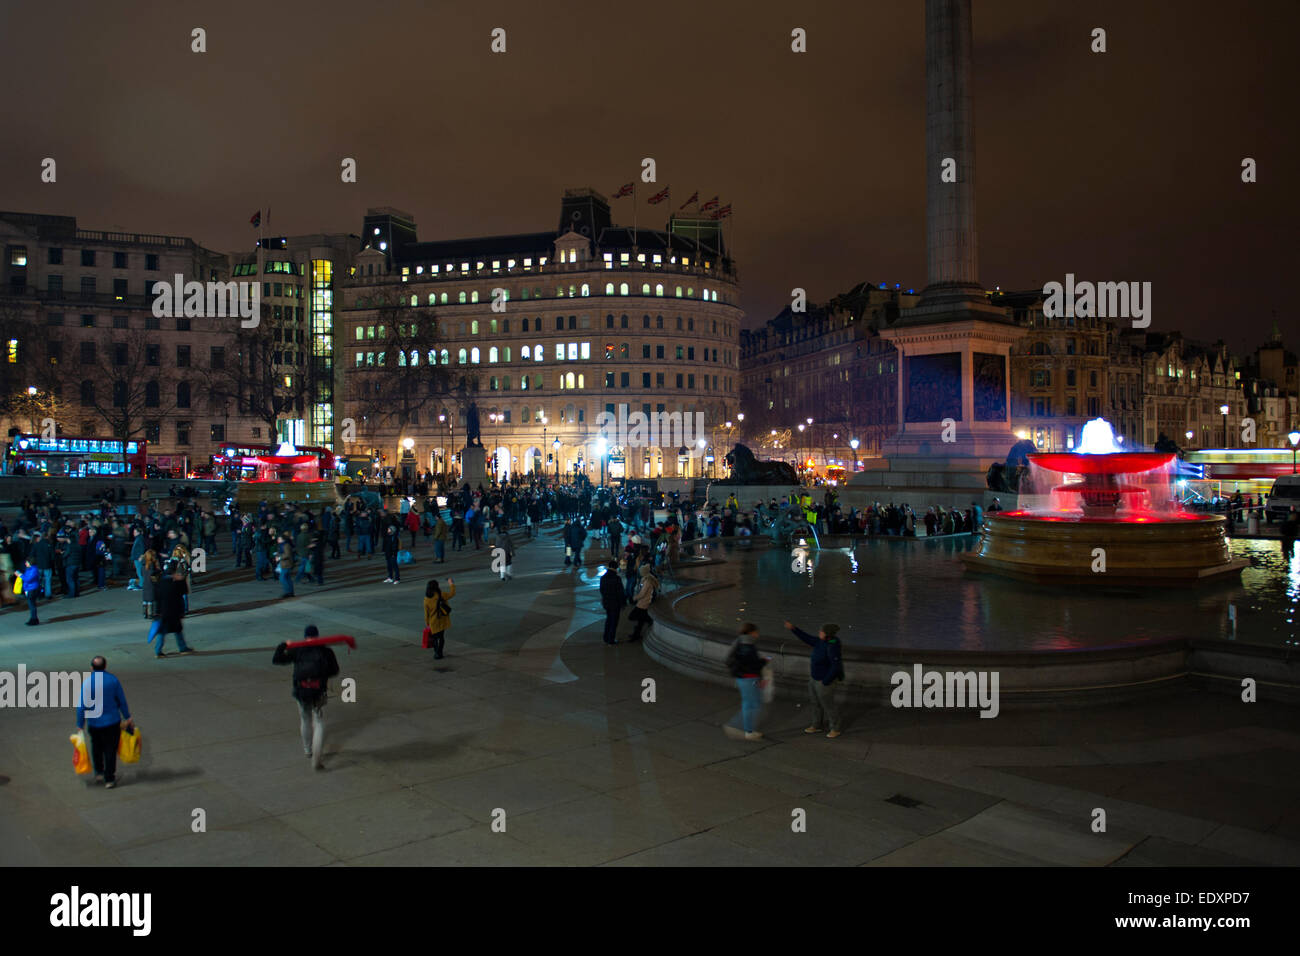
{"x":72,"y":456}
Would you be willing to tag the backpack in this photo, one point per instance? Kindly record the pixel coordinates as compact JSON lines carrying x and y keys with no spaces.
{"x":312,"y":670}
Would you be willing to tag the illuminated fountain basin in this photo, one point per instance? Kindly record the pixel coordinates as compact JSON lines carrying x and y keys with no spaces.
{"x":1104,"y":517}
{"x":283,"y":478}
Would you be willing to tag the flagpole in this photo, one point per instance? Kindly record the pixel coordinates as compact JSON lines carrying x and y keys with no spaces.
{"x":634,"y":204}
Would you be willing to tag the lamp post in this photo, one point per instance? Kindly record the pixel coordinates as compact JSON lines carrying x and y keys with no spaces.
{"x":556,"y":445}
{"x":541,"y":470}
{"x":853,"y":443}
{"x":1223,"y":410}
{"x":1294,"y":439}
{"x":1188,"y":435}
{"x":442,"y":420}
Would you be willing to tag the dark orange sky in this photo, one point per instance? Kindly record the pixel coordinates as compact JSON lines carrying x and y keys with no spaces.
{"x":1123,"y":165}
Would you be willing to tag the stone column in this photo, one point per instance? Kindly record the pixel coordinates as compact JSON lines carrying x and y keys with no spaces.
{"x":952,"y":261}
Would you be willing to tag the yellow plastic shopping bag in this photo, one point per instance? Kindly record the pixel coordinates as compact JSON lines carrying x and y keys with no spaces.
{"x":80,"y":758}
{"x":128,"y":745}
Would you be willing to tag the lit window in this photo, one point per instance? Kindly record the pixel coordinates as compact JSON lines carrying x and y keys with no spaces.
{"x":473,"y":296}
{"x":569,"y":380}
{"x":473,"y":356}
{"x":586,"y":350}
{"x":538,"y":355}
{"x":573,"y":351}
{"x":473,"y":327}
{"x":460,"y":358}
{"x":645,"y":286}
{"x":462,"y":298}
{"x":586,"y":289}
{"x":679,"y":292}
{"x":659,"y":287}
{"x":526,"y":353}
{"x":492,"y":354}
{"x":559,"y":351}
{"x":609,"y":288}
{"x":446,"y":357}
{"x":581,"y":380}
{"x":622,"y":288}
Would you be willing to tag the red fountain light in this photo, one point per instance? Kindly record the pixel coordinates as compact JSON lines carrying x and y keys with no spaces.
{"x":1100,"y":489}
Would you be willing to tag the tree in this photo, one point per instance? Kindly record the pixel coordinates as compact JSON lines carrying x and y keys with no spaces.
{"x":264,"y":376}
{"x":129,"y":386}
{"x":410,"y":373}
{"x":29,"y":369}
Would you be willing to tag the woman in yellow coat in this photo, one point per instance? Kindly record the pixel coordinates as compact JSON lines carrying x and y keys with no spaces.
{"x":437,"y":614}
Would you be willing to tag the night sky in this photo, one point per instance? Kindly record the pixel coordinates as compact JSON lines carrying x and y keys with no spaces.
{"x":1123,"y":165}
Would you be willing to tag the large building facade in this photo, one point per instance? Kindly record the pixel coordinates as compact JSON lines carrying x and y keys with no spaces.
{"x":542,"y":332}
{"x":814,"y":381}
{"x":294,"y":398}
{"x":86,"y":349}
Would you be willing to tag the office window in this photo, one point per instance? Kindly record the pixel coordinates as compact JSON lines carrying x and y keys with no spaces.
{"x":87,"y":353}
{"x":182,"y":356}
{"x":217,"y":357}
{"x":183,"y":433}
{"x":609,"y":379}
{"x":120,"y":322}
{"x":55,"y":257}
{"x":645,"y":379}
{"x":152,"y":322}
{"x":681,"y":352}
{"x":679,"y":379}
{"x":659,"y":351}
{"x":120,"y":353}
{"x":183,"y":395}
{"x":659,"y":379}
{"x":182,"y":324}
{"x":87,"y":257}
{"x":87,"y":321}
{"x":87,"y":392}
{"x":623,"y":379}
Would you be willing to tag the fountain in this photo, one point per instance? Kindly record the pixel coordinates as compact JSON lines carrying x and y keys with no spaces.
{"x":1114,"y":521}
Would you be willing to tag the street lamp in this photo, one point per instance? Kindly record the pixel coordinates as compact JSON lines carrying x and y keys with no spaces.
{"x":540,"y":470}
{"x":1223,"y":410}
{"x":556,"y":445}
{"x":1294,"y":439}
{"x":853,"y":443}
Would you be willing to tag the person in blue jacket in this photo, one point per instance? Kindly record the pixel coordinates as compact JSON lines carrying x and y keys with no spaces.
{"x":102,"y":705}
{"x":827,"y":665}
{"x":31,"y":589}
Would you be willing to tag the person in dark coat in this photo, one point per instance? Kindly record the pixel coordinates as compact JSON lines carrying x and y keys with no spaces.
{"x":827,"y":667}
{"x":392,"y":544}
{"x":170,"y":592}
{"x":312,"y":669}
{"x":613,"y":599}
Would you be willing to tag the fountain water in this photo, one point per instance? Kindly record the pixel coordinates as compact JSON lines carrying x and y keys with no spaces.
{"x":1113,"y":520}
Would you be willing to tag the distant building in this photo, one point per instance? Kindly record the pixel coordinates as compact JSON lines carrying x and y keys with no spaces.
{"x":302,"y":276}
{"x":592,"y":317}
{"x":828,"y":364}
{"x":84,"y":344}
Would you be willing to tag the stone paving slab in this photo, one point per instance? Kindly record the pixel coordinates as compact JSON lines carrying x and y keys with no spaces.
{"x":531,"y":713}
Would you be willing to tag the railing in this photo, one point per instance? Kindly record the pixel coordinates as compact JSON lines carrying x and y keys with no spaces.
{"x":555,"y":268}
{"x":98,"y":235}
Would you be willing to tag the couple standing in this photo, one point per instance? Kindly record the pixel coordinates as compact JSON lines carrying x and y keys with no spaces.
{"x":746,"y":666}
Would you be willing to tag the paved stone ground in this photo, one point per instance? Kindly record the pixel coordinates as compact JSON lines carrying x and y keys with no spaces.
{"x":531,"y":713}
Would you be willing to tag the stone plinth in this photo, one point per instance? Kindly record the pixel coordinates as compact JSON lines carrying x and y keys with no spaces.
{"x":473,"y":467}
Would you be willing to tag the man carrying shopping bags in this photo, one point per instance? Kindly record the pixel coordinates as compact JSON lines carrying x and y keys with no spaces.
{"x":103,"y":707}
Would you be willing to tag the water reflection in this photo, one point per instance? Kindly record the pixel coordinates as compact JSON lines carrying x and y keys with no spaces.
{"x":896,"y":593}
